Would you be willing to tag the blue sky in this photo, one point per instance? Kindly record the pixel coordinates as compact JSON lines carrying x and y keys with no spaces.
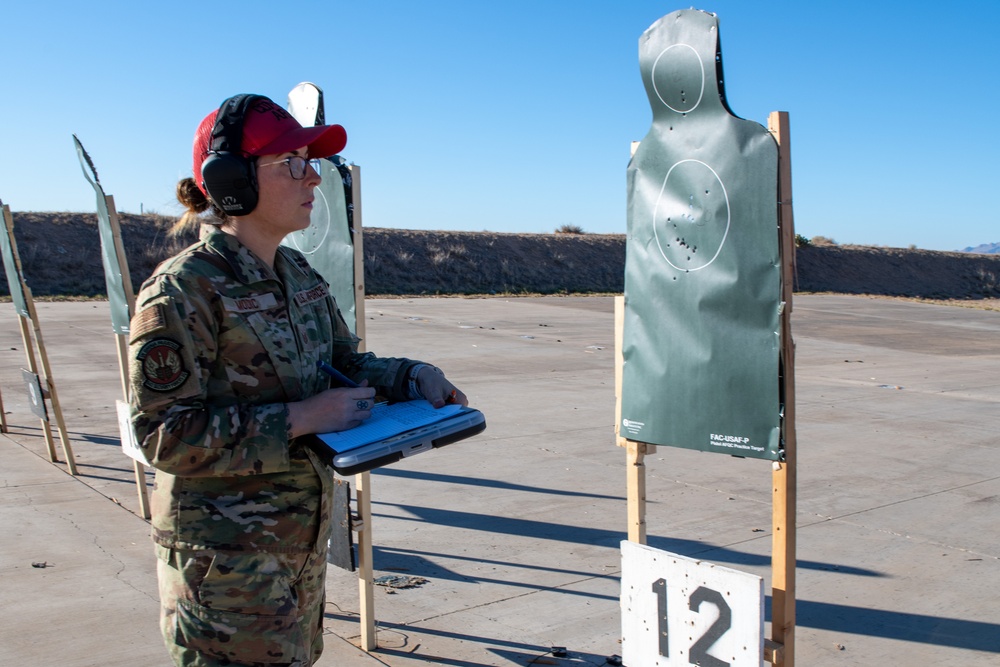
{"x":514,"y":116}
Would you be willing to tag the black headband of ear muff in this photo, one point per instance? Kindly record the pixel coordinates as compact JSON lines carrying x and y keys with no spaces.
{"x":227,"y":135}
{"x":228,"y":177}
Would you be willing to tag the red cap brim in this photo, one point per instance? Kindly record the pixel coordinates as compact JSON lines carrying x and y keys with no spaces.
{"x":322,"y":140}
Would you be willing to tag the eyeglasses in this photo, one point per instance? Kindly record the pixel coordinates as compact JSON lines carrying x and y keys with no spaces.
{"x":296,"y":165}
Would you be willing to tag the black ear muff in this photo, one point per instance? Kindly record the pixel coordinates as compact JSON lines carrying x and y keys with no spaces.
{"x":230,"y":178}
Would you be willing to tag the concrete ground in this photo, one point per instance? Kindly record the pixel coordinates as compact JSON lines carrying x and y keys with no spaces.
{"x":516,"y":532}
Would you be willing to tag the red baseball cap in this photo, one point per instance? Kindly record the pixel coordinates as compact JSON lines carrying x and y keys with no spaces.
{"x":268,"y":129}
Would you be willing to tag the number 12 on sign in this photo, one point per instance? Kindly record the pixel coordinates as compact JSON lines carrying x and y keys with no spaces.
{"x":677,"y":611}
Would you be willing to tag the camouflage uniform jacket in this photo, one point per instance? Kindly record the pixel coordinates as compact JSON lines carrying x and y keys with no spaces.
{"x":218,"y":345}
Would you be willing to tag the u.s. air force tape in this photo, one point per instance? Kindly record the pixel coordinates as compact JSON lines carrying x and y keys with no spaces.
{"x":162,"y":365}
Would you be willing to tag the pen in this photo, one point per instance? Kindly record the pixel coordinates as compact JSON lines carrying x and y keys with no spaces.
{"x":336,"y":375}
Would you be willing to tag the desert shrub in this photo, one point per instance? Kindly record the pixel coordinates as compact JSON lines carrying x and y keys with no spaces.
{"x":822,"y":240}
{"x":989,"y":281}
{"x":570,"y":229}
{"x":801,"y":241}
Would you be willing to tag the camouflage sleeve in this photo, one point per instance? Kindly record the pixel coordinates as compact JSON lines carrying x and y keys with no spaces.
{"x":172,"y":346}
{"x":388,"y":375}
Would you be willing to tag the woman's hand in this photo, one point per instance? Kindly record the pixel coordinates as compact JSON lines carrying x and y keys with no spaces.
{"x":331,"y":410}
{"x":437,"y":390}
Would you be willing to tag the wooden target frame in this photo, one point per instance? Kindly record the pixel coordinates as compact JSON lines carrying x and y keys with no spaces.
{"x":109,"y":230}
{"x":38,"y":358}
{"x":779,"y":649}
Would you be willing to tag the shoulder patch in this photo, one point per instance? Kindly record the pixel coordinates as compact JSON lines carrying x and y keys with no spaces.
{"x":162,"y":365}
{"x":148,"y":320}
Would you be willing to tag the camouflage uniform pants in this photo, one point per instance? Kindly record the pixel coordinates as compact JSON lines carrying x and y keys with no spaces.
{"x":224,"y":608}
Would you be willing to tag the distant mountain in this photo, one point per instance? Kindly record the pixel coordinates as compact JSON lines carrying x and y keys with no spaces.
{"x":985,"y":249}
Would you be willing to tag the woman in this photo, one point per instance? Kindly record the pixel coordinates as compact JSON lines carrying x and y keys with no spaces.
{"x":224,"y":347}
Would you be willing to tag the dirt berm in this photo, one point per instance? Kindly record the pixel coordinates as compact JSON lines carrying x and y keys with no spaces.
{"x":60,"y":254}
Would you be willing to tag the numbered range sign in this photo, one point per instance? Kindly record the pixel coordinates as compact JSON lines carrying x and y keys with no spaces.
{"x":680,"y":611}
